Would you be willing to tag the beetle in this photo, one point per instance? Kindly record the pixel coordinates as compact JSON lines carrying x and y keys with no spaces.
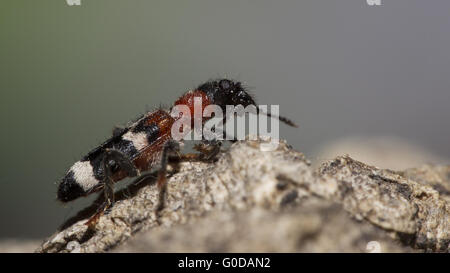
{"x":147,"y":143}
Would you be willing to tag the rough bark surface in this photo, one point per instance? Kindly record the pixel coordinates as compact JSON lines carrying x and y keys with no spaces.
{"x":257,"y":200}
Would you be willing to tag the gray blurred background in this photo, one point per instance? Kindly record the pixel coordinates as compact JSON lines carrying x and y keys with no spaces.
{"x":339,"y":68}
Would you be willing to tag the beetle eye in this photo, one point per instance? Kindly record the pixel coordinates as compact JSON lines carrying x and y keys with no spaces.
{"x":225,"y":84}
{"x":113,"y":166}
